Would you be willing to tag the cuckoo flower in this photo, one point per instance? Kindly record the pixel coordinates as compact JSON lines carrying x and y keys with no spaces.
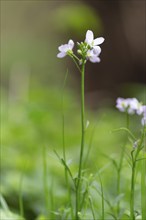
{"x":88,"y":50}
{"x":122,"y":104}
{"x":93,"y":54}
{"x":65,"y":49}
{"x":135,"y":106}
{"x":129,"y":105}
{"x":91,"y":41}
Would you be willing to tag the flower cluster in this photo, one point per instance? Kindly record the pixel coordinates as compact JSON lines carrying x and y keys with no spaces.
{"x":129,"y":105}
{"x":88,"y":50}
{"x":132,"y":106}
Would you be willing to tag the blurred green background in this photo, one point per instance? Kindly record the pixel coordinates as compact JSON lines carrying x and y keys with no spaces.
{"x":32,"y":89}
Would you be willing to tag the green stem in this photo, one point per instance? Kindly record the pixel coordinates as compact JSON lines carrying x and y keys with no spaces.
{"x":143,"y":189}
{"x":20,"y":196}
{"x":52,"y":205}
{"x":82,"y":142}
{"x":118,"y":190}
{"x":119,"y":177}
{"x":92,"y":208}
{"x":143,"y":179}
{"x":127,"y":120}
{"x":134,"y":160}
{"x":132,"y":192}
{"x":46,"y":193}
{"x":102,"y":197}
{"x":74,"y":59}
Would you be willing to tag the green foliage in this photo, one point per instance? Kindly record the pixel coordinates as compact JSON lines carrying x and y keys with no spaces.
{"x":5,"y":213}
{"x":28,"y":127}
{"x":74,"y":18}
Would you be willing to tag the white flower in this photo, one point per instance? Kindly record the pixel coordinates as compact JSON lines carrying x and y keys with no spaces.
{"x":65,"y":48}
{"x":144,"y":110}
{"x":130,"y":105}
{"x":139,"y":110}
{"x":133,"y":105}
{"x":93,"y":54}
{"x":143,"y":120}
{"x":91,"y":41}
{"x":136,"y":106}
{"x":122,"y":104}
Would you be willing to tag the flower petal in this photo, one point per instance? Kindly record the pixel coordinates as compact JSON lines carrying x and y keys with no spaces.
{"x":71,"y":44}
{"x":61,"y":48}
{"x":98,"y":41}
{"x":139,"y":110}
{"x":96,"y":50}
{"x":61,"y":54}
{"x":94,"y":59}
{"x":144,"y":110}
{"x":89,"y":37}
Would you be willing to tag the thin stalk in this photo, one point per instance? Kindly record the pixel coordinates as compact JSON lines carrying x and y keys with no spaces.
{"x":119,"y":176}
{"x":107,"y":202}
{"x":74,"y":59}
{"x":143,"y":183}
{"x":143,"y":189}
{"x":132,"y":200}
{"x":82,"y":123}
{"x":82,"y":141}
{"x":76,"y":212}
{"x":92,"y":208}
{"x":102,"y":197}
{"x":45,"y":180}
{"x":127,"y":120}
{"x":126,"y":130}
{"x":20,"y":197}
{"x":118,"y":190}
{"x":52,"y":208}
{"x":83,"y":198}
{"x":134,"y":160}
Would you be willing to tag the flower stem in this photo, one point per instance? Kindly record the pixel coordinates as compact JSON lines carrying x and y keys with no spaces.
{"x":119,"y":178}
{"x":132,"y":192}
{"x":127,"y":120}
{"x":143,"y":181}
{"x":134,"y":160}
{"x":82,"y":142}
{"x":20,"y":196}
{"x":75,"y":59}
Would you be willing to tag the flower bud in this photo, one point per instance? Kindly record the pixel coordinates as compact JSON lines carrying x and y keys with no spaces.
{"x":79,"y":52}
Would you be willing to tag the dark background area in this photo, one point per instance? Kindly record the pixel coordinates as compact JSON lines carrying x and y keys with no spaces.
{"x":124,"y":50}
